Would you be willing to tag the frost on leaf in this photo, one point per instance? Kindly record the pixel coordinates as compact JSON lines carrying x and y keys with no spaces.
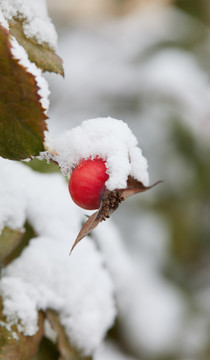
{"x":41,"y":54}
{"x":14,"y":345}
{"x":109,"y":203}
{"x":22,"y":117}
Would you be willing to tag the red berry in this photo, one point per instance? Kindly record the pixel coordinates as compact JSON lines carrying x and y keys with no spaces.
{"x":87,"y":183}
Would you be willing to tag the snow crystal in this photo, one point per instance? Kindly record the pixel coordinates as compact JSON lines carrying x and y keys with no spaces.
{"x":20,"y":54}
{"x":109,"y":139}
{"x":79,"y":288}
{"x":36,"y":23}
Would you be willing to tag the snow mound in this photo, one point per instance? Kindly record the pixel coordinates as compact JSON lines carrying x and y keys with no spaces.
{"x":78,"y":287}
{"x":109,"y":139}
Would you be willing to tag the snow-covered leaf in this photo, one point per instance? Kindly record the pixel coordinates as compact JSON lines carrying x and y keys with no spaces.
{"x":109,"y":203}
{"x":22,"y":117}
{"x":41,"y":54}
{"x":13,"y":245}
{"x":42,"y":277}
{"x":14,"y":345}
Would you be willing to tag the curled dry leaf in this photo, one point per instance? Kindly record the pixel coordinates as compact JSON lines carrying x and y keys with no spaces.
{"x":109,"y":203}
{"x":67,"y":350}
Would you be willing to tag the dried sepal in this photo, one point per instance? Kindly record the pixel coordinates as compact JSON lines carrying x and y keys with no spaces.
{"x":134,"y":187}
{"x":109,"y":203}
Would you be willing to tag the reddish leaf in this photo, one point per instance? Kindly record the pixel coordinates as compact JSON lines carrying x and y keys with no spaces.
{"x":22,"y":118}
{"x":109,"y":203}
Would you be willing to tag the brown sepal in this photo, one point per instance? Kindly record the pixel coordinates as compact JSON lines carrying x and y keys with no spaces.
{"x":109,"y":203}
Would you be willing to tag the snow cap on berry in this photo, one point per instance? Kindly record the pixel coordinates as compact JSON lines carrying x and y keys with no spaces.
{"x":105,"y":138}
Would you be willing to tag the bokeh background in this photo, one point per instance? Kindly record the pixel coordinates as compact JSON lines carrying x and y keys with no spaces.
{"x":147,"y":62}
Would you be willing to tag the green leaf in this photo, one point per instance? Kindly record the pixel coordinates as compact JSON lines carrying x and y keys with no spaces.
{"x":9,"y":240}
{"x":22,"y":118}
{"x":41,"y":54}
{"x":18,"y":246}
{"x":42,"y":166}
{"x":14,"y":345}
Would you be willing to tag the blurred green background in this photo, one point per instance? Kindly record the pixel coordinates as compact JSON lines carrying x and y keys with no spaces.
{"x":148,"y":63}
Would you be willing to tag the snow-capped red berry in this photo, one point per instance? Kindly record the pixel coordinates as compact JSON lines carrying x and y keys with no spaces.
{"x":87,"y":183}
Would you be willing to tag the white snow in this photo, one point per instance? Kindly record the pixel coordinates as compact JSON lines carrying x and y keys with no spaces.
{"x":79,"y":288}
{"x":110,"y":351}
{"x":123,"y":78}
{"x":150,"y":310}
{"x":176,"y":77}
{"x":36,"y":23}
{"x":49,"y":332}
{"x":106,"y":138}
{"x":127,"y":70}
{"x":20,"y":54}
{"x":3,"y":21}
{"x":11,"y":199}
